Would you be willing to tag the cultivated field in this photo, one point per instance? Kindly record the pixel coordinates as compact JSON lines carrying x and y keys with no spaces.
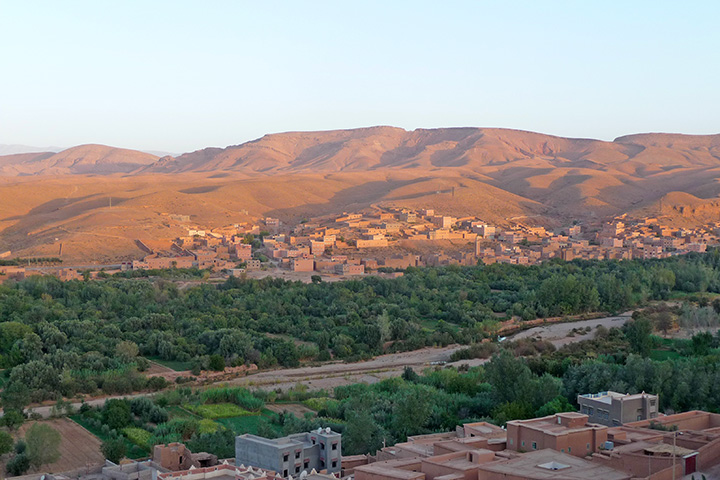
{"x":79,"y":448}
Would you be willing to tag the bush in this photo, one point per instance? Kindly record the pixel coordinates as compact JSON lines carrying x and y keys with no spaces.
{"x":238,"y":396}
{"x":156,"y":383}
{"x":18,"y":465}
{"x":217,"y":363}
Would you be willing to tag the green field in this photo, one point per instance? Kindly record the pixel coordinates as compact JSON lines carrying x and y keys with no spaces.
{"x":175,"y":411}
{"x":661,"y":355}
{"x":173,"y":364}
{"x":134,"y":452}
{"x":218,"y":410}
{"x":249,"y":423}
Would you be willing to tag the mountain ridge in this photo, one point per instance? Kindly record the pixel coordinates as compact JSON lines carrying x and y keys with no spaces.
{"x":383,"y":147}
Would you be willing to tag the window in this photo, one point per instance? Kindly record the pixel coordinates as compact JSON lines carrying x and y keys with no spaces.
{"x":297,"y":469}
{"x":511,"y":441}
{"x":588,"y":446}
{"x":285,"y":473}
{"x":559,"y":420}
{"x":591,"y":411}
{"x":534,"y":445}
{"x":334,"y":464}
{"x":306,"y":463}
{"x":334,"y":446}
{"x":523,"y":443}
{"x":322,"y":446}
{"x":569,"y":449}
{"x":285,"y":457}
{"x":297,"y":454}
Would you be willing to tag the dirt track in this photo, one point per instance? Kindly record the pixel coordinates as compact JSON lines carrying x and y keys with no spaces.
{"x":331,"y":375}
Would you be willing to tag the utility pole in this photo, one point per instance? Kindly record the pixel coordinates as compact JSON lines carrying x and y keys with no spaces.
{"x":674,"y":453}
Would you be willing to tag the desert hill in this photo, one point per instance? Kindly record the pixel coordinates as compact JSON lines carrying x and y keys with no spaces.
{"x":97,"y":200}
{"x":83,"y":159}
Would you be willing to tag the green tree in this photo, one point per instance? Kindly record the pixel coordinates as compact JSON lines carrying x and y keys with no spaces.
{"x":12,"y":418}
{"x":217,"y":363}
{"x":126,"y":351}
{"x":663,"y":321}
{"x":116,"y":414}
{"x":43,"y":445}
{"x":361,"y":433}
{"x":510,"y":377}
{"x":557,"y":405}
{"x":6,"y":443}
{"x":114,"y":448}
{"x":639,"y":335}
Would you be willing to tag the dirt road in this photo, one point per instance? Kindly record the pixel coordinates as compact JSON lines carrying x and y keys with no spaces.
{"x":331,"y":375}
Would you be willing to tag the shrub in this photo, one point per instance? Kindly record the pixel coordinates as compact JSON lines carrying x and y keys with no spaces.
{"x":238,"y":396}
{"x":217,"y":363}
{"x":18,"y":465}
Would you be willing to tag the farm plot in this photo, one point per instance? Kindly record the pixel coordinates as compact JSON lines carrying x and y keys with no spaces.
{"x":78,"y":448}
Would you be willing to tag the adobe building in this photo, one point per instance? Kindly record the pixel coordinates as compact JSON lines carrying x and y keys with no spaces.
{"x":300,"y":264}
{"x":613,"y":409}
{"x":567,"y":432}
{"x":457,"y":466}
{"x":548,"y":464}
{"x":316,"y":450}
{"x":176,"y":456}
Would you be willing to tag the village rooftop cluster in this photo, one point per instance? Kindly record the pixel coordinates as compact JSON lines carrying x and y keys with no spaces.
{"x":394,"y":239}
{"x":390,"y":240}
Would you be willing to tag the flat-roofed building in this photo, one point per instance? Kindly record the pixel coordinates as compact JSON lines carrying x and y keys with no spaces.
{"x":567,"y":432}
{"x":319,"y":449}
{"x":613,"y":409}
{"x":548,"y":464}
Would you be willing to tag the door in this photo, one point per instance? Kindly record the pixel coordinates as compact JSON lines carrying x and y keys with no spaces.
{"x":690,"y":465}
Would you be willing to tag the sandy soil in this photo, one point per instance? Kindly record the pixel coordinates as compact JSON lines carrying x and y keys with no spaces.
{"x":557,"y":333}
{"x":78,"y":450}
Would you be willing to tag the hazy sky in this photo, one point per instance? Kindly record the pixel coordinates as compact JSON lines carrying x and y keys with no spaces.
{"x":178,"y":76}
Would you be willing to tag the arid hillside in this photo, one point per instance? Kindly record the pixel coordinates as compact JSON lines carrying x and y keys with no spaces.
{"x":97,"y":200}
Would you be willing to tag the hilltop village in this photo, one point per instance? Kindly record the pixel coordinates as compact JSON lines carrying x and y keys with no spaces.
{"x":386,"y":241}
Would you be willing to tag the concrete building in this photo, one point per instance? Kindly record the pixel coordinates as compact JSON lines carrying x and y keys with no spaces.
{"x":613,"y":409}
{"x":319,"y":449}
{"x":567,"y":432}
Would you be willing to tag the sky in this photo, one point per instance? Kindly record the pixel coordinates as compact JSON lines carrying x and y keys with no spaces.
{"x":178,"y":76}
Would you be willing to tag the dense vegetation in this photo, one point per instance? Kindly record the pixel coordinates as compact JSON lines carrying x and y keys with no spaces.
{"x":541,"y":382}
{"x":81,"y":336}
